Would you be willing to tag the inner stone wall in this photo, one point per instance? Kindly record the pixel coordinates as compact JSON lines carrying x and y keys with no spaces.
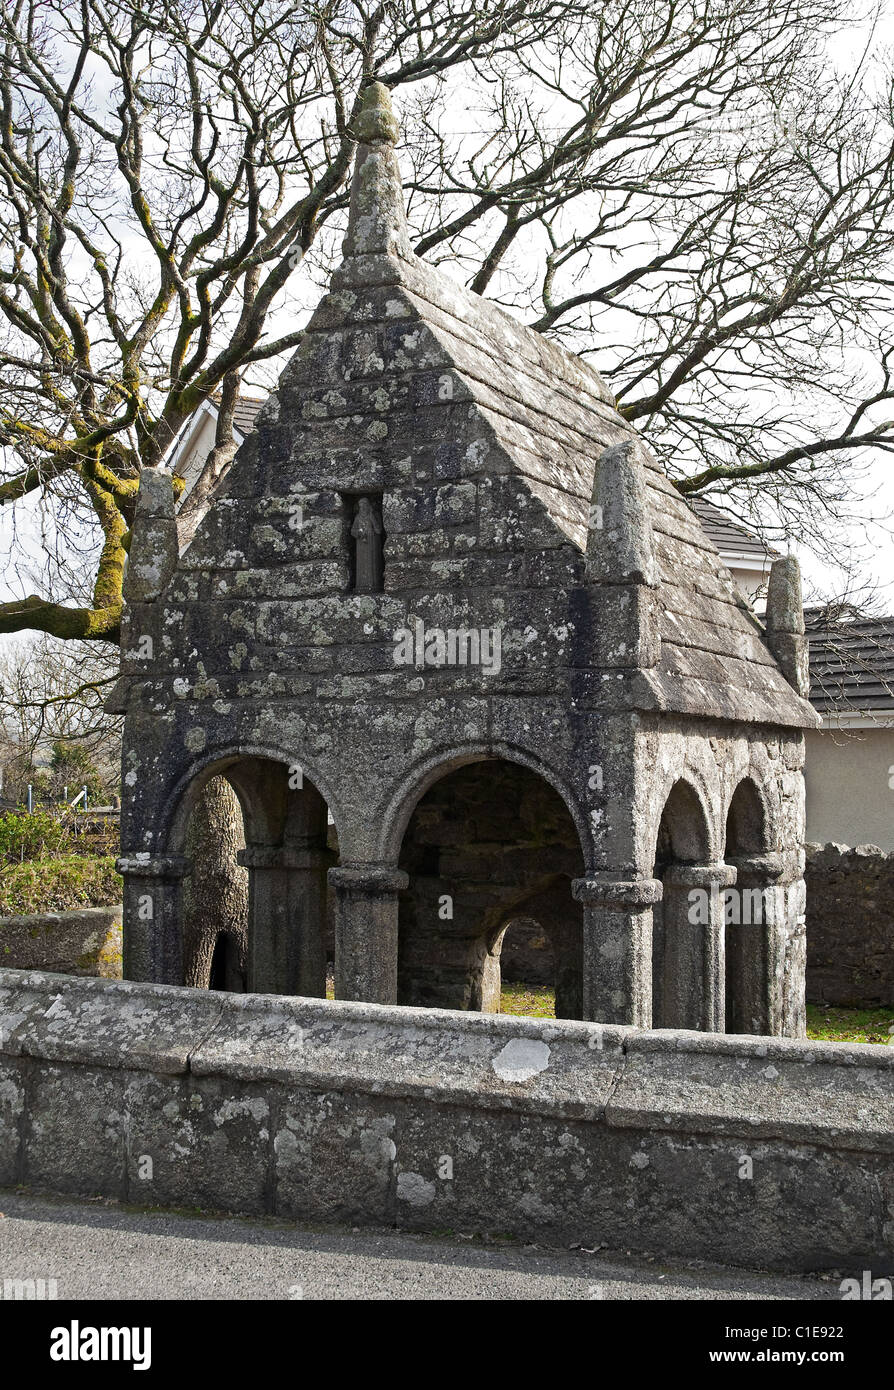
{"x":850,"y":926}
{"x":490,"y":842}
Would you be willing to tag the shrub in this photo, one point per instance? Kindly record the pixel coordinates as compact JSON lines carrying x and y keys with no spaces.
{"x":31,"y":837}
{"x":71,"y":767}
{"x":58,"y":885}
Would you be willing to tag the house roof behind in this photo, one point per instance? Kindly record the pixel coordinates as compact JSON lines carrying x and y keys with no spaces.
{"x":726,"y":534}
{"x":851,"y":663}
{"x":247,"y":411}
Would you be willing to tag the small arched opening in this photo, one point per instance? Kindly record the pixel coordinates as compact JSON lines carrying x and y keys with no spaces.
{"x":255,"y":835}
{"x":751,"y":912}
{"x":679,"y":955}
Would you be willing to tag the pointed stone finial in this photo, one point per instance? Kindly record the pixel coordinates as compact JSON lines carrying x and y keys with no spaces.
{"x":154,"y":548}
{"x":620,"y":546}
{"x":785,"y":609}
{"x":784,"y":621}
{"x":376,"y":123}
{"x":377,"y":222}
{"x":621,"y":565}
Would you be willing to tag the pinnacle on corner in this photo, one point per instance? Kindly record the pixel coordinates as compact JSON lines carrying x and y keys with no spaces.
{"x":376,"y":123}
{"x":377,"y":222}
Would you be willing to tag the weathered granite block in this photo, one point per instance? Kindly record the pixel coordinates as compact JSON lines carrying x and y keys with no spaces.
{"x":12,"y":1114}
{"x":76,"y":1130}
{"x":206,"y":1143}
{"x":334,"y":1158}
{"x":86,"y":941}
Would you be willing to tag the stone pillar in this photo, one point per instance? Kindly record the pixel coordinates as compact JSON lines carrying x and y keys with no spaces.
{"x":755,"y":946}
{"x":790,"y":953}
{"x":621,"y":562}
{"x":366,"y":905}
{"x":153,"y":926}
{"x":784,"y":620}
{"x":694,"y":985}
{"x":617,"y":947}
{"x":286,"y":919}
{"x":154,"y":545}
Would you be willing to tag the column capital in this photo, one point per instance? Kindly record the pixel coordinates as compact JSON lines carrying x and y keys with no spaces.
{"x":282,"y":857}
{"x":611,"y":892}
{"x":700,"y":875}
{"x":154,"y":865}
{"x":368,"y":878}
{"x":763,"y":866}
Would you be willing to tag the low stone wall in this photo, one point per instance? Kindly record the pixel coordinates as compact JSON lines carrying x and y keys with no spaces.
{"x":82,"y":942}
{"x":850,"y":926}
{"x":751,"y":1151}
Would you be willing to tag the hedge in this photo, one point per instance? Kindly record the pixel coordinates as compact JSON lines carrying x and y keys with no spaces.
{"x":58,"y":885}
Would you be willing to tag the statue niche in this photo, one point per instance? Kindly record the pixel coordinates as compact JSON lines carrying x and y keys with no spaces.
{"x":368,"y":537}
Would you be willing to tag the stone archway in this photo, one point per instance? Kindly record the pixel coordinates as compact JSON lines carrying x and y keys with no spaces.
{"x":755,"y":915}
{"x":487,"y":842}
{"x":282,"y":855}
{"x":687,"y":926}
{"x":540,"y":942}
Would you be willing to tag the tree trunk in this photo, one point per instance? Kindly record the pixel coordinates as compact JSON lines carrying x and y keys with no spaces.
{"x":215,"y":898}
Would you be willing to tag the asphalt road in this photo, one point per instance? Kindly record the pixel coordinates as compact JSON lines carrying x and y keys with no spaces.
{"x":100,"y":1251}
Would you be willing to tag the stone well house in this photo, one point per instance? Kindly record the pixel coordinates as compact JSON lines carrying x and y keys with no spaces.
{"x":446,"y":595}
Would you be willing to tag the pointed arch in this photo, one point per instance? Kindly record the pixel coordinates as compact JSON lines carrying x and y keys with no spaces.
{"x":682,"y":837}
{"x":746,"y":821}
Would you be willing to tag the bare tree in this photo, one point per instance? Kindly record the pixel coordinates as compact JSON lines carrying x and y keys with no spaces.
{"x":691,"y":195}
{"x":163,"y":169}
{"x":686,"y":191}
{"x":52,"y":694}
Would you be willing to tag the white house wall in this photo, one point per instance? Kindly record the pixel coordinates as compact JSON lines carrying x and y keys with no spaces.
{"x":850,"y":796}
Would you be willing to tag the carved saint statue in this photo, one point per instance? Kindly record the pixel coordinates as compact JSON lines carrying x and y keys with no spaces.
{"x":368,"y":548}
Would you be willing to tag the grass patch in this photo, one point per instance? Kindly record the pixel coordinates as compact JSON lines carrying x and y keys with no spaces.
{"x":823,"y":1024}
{"x":527,"y":1001}
{"x":58,"y":885}
{"x":831,"y":1024}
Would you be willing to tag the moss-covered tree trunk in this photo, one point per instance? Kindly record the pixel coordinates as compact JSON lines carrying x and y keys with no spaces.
{"x":215,"y":899}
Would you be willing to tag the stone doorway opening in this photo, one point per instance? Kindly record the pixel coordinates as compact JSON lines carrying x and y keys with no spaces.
{"x":490,"y":851}
{"x":687,"y":964}
{"x":754,"y":920}
{"x":256,"y":846}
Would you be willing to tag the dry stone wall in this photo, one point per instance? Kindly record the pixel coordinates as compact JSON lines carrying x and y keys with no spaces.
{"x":850,"y":926}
